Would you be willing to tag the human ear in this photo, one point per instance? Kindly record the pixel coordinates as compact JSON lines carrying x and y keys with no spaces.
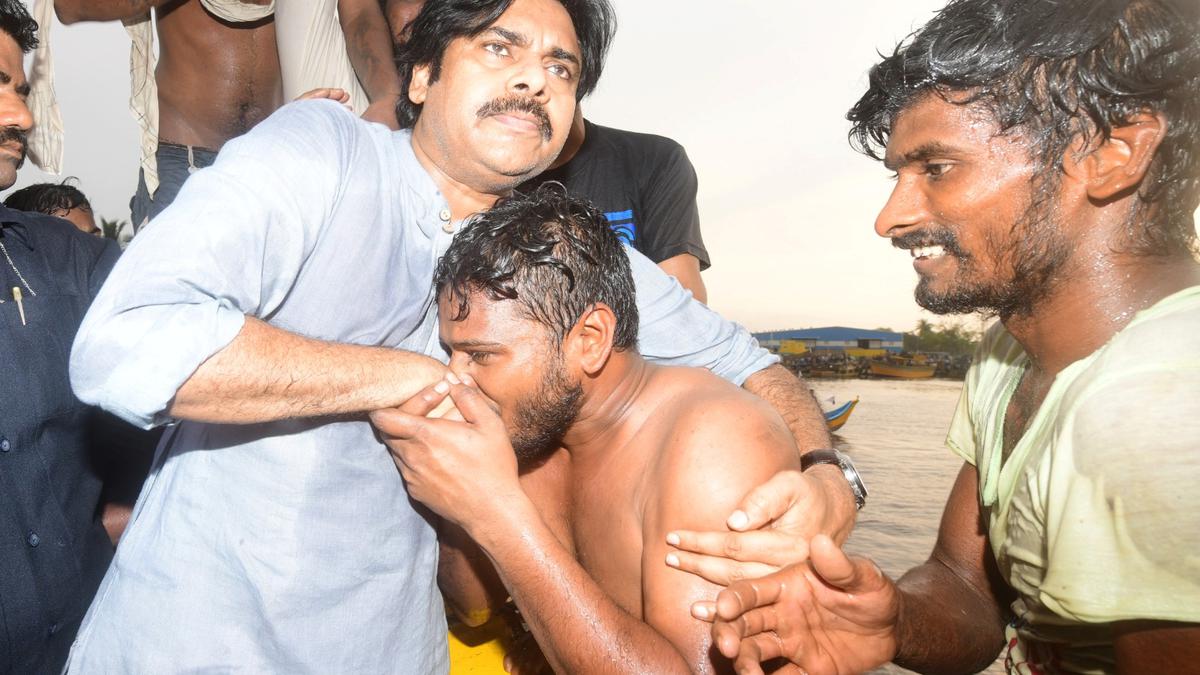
{"x":418,"y":87}
{"x":592,"y":337}
{"x":1119,"y":163}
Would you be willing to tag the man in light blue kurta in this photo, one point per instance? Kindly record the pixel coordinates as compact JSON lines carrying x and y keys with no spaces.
{"x":288,"y":288}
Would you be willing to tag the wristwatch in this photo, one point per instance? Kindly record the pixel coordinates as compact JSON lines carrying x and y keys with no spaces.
{"x":840,"y":460}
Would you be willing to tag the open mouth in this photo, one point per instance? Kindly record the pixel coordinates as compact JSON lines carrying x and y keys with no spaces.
{"x":927,"y":252}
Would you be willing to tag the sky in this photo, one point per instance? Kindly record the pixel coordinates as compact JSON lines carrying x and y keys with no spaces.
{"x":756,"y":95}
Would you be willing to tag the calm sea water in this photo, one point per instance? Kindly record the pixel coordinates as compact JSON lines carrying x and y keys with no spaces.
{"x":896,"y":437}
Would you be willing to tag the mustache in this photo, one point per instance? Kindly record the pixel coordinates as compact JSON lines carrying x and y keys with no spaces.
{"x":15,"y":135}
{"x":521,"y":104}
{"x":936,"y":236}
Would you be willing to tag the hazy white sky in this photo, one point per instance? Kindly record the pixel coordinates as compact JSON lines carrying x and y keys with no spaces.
{"x":756,"y":91}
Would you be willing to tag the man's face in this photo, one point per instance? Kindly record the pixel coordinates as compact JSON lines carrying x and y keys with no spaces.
{"x":82,"y":219}
{"x":502,"y":105}
{"x":971,"y":207}
{"x":517,"y":364}
{"x":15,"y":118}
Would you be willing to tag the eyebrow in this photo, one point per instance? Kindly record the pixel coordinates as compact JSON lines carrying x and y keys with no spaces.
{"x":921,"y":153}
{"x":460,"y":344}
{"x":21,"y":89}
{"x":522,"y":41}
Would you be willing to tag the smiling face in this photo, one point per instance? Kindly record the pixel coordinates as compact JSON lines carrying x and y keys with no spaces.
{"x":502,"y":104}
{"x":15,"y":118}
{"x":972,"y":209}
{"x":517,"y":364}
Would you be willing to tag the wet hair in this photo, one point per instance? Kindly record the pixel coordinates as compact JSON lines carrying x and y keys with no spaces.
{"x":16,"y":22}
{"x":1055,"y":71}
{"x":553,"y":254}
{"x":442,"y":21}
{"x":50,"y":198}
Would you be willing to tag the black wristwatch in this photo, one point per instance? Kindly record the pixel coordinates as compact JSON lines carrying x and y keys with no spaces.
{"x":841,"y":461}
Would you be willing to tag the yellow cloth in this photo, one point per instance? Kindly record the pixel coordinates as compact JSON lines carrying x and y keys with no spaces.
{"x":143,"y":90}
{"x":1093,"y":516}
{"x":312,"y":51}
{"x":46,"y":137}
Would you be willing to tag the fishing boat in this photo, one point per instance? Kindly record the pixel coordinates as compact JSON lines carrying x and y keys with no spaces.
{"x":836,"y":419}
{"x":898,"y":368}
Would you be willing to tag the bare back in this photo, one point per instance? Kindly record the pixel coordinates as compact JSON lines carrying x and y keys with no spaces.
{"x":215,"y":79}
{"x":692,"y":446}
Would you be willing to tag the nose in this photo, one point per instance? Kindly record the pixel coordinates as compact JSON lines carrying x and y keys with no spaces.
{"x":459,"y":362}
{"x":905,"y":207}
{"x":14,"y":112}
{"x":529,"y":79}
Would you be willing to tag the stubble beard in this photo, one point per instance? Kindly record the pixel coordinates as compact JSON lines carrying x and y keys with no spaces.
{"x":1033,"y":254}
{"x":542,"y":419}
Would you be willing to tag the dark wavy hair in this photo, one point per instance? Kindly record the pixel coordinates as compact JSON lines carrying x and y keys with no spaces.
{"x":49,"y":198}
{"x":442,"y":21}
{"x":1057,"y":70}
{"x":15,"y":20}
{"x":553,"y":254}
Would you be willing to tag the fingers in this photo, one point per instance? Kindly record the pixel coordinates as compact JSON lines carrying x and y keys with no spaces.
{"x":761,"y":546}
{"x":744,"y":596}
{"x":395,"y":423}
{"x":768,"y":501}
{"x":720,"y":571}
{"x":332,"y":93}
{"x":472,"y":404}
{"x":427,"y":400}
{"x":835,"y":567}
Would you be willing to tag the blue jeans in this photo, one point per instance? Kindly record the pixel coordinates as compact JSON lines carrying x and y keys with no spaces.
{"x":175,"y":164}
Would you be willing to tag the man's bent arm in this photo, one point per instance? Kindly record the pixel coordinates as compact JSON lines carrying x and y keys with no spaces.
{"x":73,"y":11}
{"x":268,"y":374}
{"x":369,"y":46}
{"x":955,"y":595}
{"x":579,"y":628}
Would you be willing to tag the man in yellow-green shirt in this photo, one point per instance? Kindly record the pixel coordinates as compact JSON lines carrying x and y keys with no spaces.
{"x":1047,"y":161}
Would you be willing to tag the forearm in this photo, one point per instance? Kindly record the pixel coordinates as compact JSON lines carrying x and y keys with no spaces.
{"x":467,"y":577}
{"x":946,"y":625}
{"x":73,"y":11}
{"x":790,"y":397}
{"x":579,"y":628}
{"x":369,"y":47}
{"x":267,"y":374}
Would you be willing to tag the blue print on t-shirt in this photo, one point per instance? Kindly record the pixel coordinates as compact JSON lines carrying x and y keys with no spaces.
{"x":622,"y":223}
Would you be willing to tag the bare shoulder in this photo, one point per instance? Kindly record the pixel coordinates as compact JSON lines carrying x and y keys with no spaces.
{"x":717,"y":436}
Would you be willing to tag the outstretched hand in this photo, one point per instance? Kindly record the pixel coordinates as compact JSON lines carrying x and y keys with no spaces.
{"x":832,"y":616}
{"x":461,"y":466}
{"x":769,"y":530}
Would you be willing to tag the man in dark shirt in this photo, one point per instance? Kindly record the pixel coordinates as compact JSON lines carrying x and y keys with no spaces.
{"x":53,"y":548}
{"x":645,"y":186}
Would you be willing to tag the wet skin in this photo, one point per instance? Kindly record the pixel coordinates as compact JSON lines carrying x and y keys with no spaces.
{"x":208,"y":95}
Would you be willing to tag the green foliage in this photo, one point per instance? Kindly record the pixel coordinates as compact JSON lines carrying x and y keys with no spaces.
{"x":950,"y":337}
{"x":111,"y":228}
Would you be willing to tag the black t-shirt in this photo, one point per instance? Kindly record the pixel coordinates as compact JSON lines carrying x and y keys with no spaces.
{"x":644,"y":184}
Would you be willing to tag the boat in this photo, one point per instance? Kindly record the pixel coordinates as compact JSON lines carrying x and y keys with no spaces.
{"x":898,"y":368}
{"x":836,"y":419}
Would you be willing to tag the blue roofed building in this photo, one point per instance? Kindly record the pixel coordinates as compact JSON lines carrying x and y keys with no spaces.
{"x":834,"y":338}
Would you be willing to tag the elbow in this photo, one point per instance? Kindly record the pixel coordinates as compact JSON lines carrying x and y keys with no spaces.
{"x":68,"y":12}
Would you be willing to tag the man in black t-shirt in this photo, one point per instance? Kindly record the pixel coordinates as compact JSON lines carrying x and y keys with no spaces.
{"x":646,"y":187}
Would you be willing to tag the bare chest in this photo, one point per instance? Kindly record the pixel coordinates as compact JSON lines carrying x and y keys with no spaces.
{"x":606,"y":525}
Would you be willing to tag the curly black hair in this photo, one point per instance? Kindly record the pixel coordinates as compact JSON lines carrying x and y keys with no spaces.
{"x":1058,"y":70}
{"x":49,"y":198}
{"x":553,"y":254}
{"x":15,"y":20}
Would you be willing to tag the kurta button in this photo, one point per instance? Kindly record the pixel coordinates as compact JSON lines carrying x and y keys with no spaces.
{"x":33,"y":539}
{"x":448,"y":228}
{"x":445,"y":214}
{"x":5,"y":446}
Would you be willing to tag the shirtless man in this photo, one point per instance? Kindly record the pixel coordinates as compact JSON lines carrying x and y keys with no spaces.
{"x":536,"y":306}
{"x":216,"y":80}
